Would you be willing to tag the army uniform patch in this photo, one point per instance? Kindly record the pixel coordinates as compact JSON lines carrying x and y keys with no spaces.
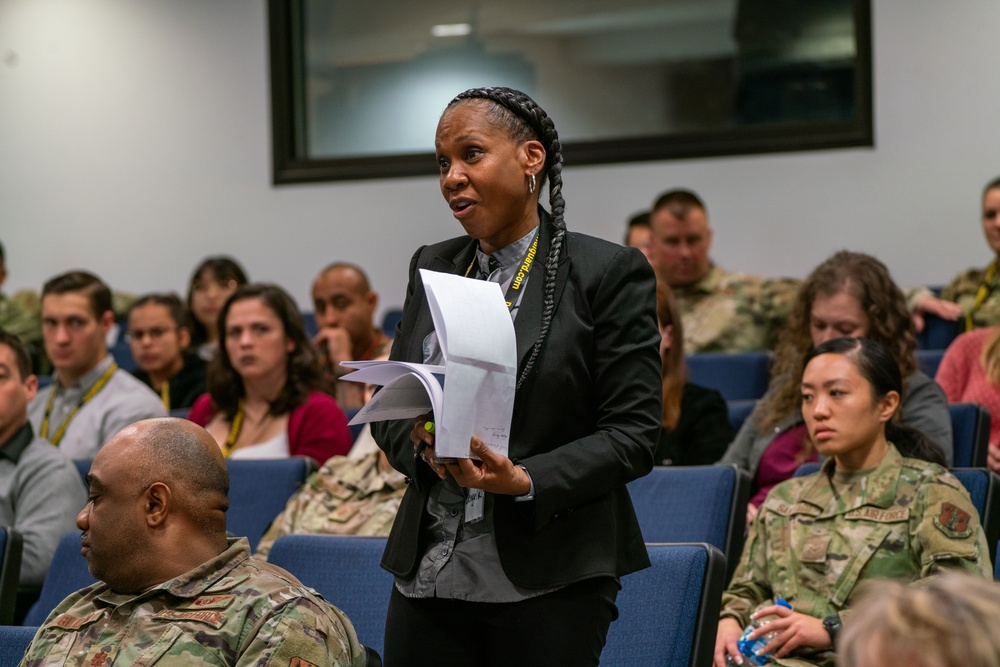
{"x":299,"y":662}
{"x":953,"y":521}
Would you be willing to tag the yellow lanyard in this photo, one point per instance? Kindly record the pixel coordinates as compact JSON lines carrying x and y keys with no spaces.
{"x":519,"y":277}
{"x":165,"y":394}
{"x":61,"y":431}
{"x":234,"y":431}
{"x":985,"y":288}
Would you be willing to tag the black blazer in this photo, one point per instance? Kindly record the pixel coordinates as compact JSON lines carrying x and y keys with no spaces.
{"x":585,"y":421}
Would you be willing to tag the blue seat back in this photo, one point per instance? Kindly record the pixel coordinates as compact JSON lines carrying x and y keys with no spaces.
{"x":346,"y":571}
{"x":970,"y":429}
{"x":984,"y":490}
{"x":11,"y":546}
{"x":938,"y":333}
{"x":67,"y":573}
{"x":693,"y":504}
{"x":668,"y":613}
{"x":356,"y":429}
{"x":739,"y":410}
{"x":928,"y":361}
{"x":14,"y":641}
{"x":259,"y":490}
{"x":390,"y":320}
{"x":122,"y":352}
{"x":736,"y":376}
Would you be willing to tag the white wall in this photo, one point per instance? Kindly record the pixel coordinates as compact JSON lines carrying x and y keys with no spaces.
{"x":135,"y":139}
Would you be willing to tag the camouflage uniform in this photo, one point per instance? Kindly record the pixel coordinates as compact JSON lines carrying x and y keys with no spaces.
{"x":232,"y":610}
{"x":734,"y":312}
{"x":344,"y":497}
{"x":963,"y":290}
{"x":906,"y":519}
{"x":21,"y":315}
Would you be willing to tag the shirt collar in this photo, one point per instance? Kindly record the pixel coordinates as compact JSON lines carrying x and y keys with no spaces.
{"x":508,"y":256}
{"x":707,"y":285}
{"x":91,"y":376}
{"x":17,"y":443}
{"x":210,"y":576}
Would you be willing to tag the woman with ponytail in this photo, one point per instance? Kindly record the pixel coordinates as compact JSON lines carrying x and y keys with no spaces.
{"x":528,"y":576}
{"x":882,"y":506}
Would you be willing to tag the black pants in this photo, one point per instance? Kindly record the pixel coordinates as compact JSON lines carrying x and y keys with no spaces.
{"x":566,"y":627}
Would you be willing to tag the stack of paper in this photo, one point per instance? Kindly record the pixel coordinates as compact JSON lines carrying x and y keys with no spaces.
{"x":473,"y":392}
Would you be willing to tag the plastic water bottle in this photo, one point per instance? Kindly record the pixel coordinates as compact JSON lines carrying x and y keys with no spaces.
{"x":749,"y":647}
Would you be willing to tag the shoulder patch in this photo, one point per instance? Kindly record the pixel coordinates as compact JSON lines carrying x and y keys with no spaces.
{"x":953,"y":521}
{"x":299,"y":662}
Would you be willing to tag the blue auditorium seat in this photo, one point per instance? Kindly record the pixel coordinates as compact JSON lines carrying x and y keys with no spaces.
{"x":67,"y":573}
{"x":259,"y":491}
{"x":739,"y":410}
{"x":14,"y":641}
{"x":970,"y":434}
{"x":345,"y":570}
{"x":984,"y":490}
{"x":389,"y":321}
{"x":938,"y":333}
{"x":929,"y":360}
{"x":735,"y":376}
{"x":668,"y":613}
{"x":694,"y":504}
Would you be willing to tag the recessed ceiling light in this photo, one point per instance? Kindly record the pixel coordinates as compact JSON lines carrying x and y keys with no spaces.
{"x":451,"y":29}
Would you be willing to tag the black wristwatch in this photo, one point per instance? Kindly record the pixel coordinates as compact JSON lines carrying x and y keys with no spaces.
{"x":832,"y":625}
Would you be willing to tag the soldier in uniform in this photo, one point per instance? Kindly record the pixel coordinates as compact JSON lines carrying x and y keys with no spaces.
{"x":346,"y":496}
{"x":872,"y":511}
{"x":976,"y":290}
{"x":173,"y":588}
{"x":721,"y":311}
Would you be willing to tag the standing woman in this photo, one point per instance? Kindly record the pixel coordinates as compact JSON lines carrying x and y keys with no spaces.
{"x":531,"y":575}
{"x":265,"y":398}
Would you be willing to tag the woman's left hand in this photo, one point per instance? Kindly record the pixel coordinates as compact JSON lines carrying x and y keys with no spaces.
{"x":494,"y":473}
{"x":794,"y":630}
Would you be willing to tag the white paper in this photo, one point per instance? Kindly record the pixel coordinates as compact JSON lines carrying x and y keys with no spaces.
{"x":480,"y":358}
{"x":479,"y":349}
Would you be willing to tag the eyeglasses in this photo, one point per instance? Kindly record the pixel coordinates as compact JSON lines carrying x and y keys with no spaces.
{"x":156,"y":333}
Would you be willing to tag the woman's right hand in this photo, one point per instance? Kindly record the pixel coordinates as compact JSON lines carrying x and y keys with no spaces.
{"x":725,"y":642}
{"x":751,"y":513}
{"x":423,"y":444}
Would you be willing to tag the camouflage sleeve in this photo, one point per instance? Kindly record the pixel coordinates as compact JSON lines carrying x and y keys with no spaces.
{"x":304,"y":633}
{"x":915,"y":295}
{"x":750,"y":586}
{"x":965,"y":284}
{"x":946,"y":533}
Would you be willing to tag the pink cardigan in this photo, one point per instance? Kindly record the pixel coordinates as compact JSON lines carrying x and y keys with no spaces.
{"x":317,"y":428}
{"x":964,"y":380}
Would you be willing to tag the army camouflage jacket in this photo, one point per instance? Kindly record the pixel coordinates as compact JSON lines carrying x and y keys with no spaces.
{"x":20,"y":315}
{"x":906,"y":520}
{"x":346,"y":496}
{"x":734,"y":312}
{"x":964,"y":289}
{"x":232,"y":610}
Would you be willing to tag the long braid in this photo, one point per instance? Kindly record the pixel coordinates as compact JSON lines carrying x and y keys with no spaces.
{"x":523,"y":120}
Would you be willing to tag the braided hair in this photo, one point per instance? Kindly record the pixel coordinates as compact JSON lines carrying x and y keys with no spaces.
{"x":523,"y":120}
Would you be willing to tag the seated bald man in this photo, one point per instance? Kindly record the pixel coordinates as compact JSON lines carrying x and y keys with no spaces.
{"x":173,"y":589}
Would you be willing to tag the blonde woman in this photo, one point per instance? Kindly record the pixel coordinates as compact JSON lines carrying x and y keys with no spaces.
{"x":947,"y":621}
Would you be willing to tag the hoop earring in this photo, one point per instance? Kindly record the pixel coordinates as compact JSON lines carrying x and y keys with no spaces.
{"x":531,"y":183}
